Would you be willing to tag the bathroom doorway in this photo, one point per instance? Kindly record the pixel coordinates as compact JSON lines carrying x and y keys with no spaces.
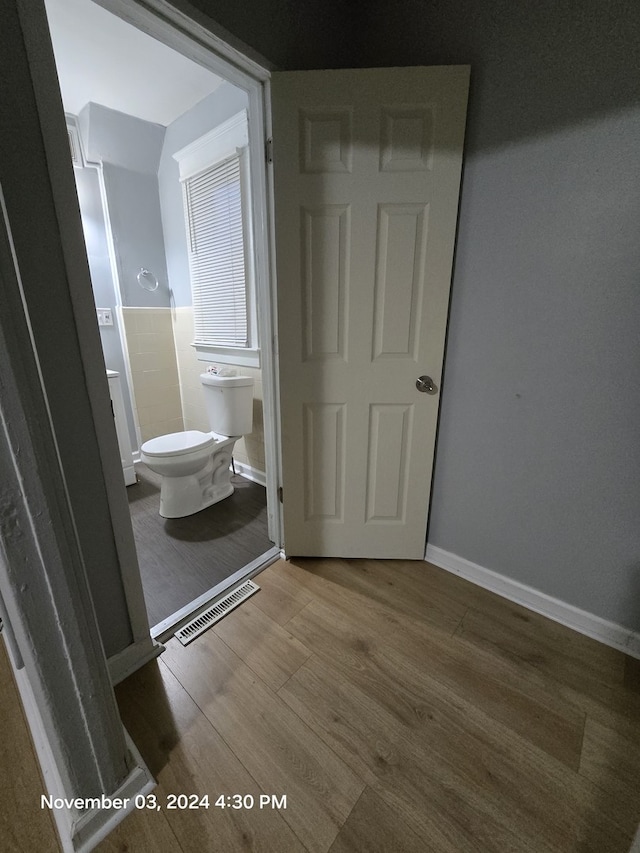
{"x":133,"y":214}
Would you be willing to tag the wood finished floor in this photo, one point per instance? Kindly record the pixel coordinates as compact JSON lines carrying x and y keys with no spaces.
{"x":183,"y":558}
{"x":397,"y":706}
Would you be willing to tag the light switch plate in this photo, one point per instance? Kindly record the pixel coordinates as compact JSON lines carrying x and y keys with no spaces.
{"x":105,"y":316}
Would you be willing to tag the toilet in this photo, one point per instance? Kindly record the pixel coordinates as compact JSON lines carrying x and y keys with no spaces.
{"x":194,"y":465}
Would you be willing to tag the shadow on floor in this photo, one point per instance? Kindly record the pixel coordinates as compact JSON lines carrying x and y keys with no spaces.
{"x":183,"y":558}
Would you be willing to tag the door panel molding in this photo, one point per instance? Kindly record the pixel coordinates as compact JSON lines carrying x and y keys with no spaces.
{"x":363,"y":298}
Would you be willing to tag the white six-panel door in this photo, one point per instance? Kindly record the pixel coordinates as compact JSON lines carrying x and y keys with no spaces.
{"x":367,"y":172}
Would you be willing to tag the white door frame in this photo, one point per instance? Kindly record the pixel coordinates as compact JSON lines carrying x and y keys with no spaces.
{"x":56,"y":650}
{"x":207,"y":43}
{"x":100,"y":750}
{"x":51,"y":119}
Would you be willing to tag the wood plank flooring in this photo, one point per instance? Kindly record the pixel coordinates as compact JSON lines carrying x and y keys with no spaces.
{"x":183,"y":558}
{"x":398,"y":707}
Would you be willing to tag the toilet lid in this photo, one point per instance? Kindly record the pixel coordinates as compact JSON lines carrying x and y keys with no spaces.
{"x":178,"y":443}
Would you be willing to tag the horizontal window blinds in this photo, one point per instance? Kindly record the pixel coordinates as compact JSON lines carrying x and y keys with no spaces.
{"x":213,"y":209}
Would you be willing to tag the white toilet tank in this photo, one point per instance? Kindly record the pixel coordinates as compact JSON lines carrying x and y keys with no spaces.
{"x":229,"y":402}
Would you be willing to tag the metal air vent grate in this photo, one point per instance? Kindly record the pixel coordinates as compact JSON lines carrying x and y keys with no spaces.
{"x":214,"y":613}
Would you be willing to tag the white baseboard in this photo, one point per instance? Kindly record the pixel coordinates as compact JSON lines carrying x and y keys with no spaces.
{"x":250,"y":473}
{"x":95,"y":824}
{"x":127,"y":661}
{"x":609,"y":633}
{"x":80,"y":833}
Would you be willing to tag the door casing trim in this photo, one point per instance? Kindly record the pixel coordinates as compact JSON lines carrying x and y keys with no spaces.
{"x":204,"y":41}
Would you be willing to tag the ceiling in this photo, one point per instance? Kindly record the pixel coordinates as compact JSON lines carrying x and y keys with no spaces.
{"x":101,"y":58}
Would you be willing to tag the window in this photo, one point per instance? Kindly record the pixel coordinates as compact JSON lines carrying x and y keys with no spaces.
{"x":214,"y":176}
{"x":213,"y":209}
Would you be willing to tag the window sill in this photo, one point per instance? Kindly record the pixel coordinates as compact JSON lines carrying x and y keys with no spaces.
{"x":244,"y":357}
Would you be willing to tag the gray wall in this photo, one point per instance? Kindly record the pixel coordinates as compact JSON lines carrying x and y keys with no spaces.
{"x":134,"y":211}
{"x":225,"y":102}
{"x":129,"y":150}
{"x":121,"y":139}
{"x":539,"y":447}
{"x":538,"y":457}
{"x":289,"y":33}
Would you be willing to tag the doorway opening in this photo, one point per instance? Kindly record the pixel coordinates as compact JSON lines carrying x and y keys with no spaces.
{"x":134,"y":105}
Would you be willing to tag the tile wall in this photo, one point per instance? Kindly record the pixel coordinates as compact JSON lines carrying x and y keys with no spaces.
{"x":154,"y":370}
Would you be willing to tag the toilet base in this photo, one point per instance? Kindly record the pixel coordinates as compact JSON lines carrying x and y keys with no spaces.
{"x":184,"y":496}
{"x":181,"y":508}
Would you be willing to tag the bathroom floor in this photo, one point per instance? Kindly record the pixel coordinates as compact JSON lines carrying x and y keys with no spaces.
{"x":182,"y":558}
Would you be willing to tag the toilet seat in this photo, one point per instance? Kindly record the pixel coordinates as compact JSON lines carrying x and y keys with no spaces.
{"x":178,"y":443}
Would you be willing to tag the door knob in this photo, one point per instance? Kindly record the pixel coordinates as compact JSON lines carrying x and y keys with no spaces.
{"x":425,"y":384}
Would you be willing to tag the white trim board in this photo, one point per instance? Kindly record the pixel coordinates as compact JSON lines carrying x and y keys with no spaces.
{"x":198,"y":37}
{"x":609,"y":633}
{"x":96,"y":823}
{"x":214,"y":146}
{"x":250,"y":473}
{"x":131,"y":658}
{"x":80,"y":833}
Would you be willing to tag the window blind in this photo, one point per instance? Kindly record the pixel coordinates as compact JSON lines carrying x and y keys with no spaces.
{"x":213,"y":210}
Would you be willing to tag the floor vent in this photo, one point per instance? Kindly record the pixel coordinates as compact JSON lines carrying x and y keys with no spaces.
{"x":214,"y":613}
